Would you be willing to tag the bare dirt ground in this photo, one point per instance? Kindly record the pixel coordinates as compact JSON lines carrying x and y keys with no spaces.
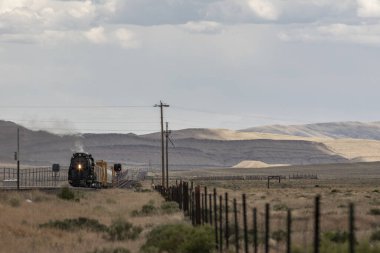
{"x":336,"y":171}
{"x":23,"y":212}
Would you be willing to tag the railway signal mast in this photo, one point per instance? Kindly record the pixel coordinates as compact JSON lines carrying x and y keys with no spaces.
{"x":162,"y":105}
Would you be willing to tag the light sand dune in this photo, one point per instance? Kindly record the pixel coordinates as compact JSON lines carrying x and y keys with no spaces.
{"x":256,"y":164}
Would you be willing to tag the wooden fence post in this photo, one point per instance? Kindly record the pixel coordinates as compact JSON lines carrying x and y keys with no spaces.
{"x":227,"y":229}
{"x":267,"y":227}
{"x":255,"y":230}
{"x":289,"y":232}
{"x":216,"y":221}
{"x":236,"y":228}
{"x":197,"y":206}
{"x":317,"y":224}
{"x":245,"y":224}
{"x":351,"y":228}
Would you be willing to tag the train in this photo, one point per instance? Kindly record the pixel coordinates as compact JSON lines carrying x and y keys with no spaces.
{"x":84,"y":171}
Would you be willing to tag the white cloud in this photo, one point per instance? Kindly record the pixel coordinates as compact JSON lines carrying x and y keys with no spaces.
{"x":264,"y":9}
{"x":108,"y":21}
{"x":203,"y":27}
{"x":368,"y":8}
{"x":126,"y":38}
{"x":96,"y":35}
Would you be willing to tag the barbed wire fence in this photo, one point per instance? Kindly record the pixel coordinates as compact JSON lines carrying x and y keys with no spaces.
{"x":239,"y":226}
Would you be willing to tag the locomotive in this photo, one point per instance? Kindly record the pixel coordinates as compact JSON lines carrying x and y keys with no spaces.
{"x":85,"y":172}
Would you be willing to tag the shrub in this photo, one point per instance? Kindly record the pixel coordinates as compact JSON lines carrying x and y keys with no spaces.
{"x":169,"y":207}
{"x":66,"y":194}
{"x":374,"y":211}
{"x":122,"y":230}
{"x":179,"y":238}
{"x":146,"y":210}
{"x":279,"y":235}
{"x":74,"y":224}
{"x":280,"y":207}
{"x":111,"y":201}
{"x":336,"y":236}
{"x":115,"y":250}
{"x":375,"y":236}
{"x":14,"y":202}
{"x":137,"y":185}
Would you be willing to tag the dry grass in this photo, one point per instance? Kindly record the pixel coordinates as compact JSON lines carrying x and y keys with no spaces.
{"x":23,"y":212}
{"x":298,"y":195}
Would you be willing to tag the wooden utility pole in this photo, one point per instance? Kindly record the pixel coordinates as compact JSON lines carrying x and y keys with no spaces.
{"x":167,"y":133}
{"x":18,"y":158}
{"x":162,"y":105}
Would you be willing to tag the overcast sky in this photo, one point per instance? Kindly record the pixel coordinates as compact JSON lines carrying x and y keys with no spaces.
{"x":218,"y":63}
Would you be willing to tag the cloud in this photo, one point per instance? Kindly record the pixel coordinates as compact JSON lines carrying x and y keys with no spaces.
{"x":126,"y":38}
{"x":208,"y":27}
{"x":96,"y":35}
{"x":358,"y":34}
{"x":369,"y":8}
{"x":264,"y":9}
{"x":105,"y":22}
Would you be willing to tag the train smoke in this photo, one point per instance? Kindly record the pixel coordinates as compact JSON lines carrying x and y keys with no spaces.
{"x":78,"y":147}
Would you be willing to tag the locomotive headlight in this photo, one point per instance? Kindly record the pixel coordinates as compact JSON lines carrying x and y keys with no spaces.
{"x":79,"y":166}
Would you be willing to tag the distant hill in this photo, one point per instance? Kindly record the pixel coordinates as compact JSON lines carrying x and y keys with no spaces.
{"x":337,"y":130}
{"x":43,"y":148}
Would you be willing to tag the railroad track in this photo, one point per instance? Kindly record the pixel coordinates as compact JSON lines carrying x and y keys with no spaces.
{"x":126,"y":184}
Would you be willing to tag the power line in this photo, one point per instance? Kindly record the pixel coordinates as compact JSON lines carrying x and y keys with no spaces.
{"x":73,"y":106}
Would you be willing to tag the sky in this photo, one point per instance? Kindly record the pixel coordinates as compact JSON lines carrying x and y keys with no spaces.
{"x":101,"y":65}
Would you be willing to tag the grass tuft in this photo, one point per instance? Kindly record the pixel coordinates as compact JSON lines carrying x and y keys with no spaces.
{"x":107,"y":250}
{"x":169,"y":207}
{"x":179,"y":238}
{"x":374,"y":211}
{"x":14,"y":202}
{"x":75,"y":224}
{"x":375,"y":236}
{"x":121,"y":230}
{"x":67,"y":194}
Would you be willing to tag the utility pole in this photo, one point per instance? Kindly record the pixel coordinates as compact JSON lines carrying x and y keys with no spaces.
{"x":162,"y":105}
{"x":167,"y":133}
{"x":18,"y":158}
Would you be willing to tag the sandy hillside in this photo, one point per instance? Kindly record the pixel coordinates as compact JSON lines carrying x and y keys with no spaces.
{"x":354,"y":149}
{"x":225,"y":134}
